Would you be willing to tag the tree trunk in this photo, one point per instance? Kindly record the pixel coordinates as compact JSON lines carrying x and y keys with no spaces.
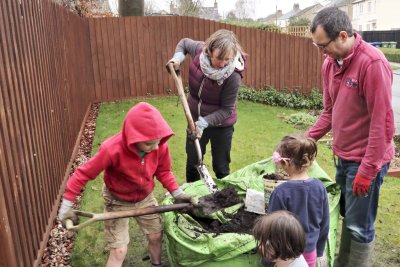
{"x":130,"y":8}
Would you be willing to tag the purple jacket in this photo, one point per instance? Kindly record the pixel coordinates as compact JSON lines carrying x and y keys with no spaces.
{"x":216,"y":103}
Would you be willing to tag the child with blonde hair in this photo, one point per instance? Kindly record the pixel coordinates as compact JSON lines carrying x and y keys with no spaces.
{"x":304,"y":196}
{"x":280,"y":239}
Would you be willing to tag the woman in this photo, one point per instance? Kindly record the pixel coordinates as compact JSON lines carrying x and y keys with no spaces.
{"x":214,"y":78}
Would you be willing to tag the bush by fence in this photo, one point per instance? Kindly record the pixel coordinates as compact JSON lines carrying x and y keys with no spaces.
{"x":392,"y":54}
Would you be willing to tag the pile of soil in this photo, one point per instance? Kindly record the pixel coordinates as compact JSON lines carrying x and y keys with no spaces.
{"x":241,"y":222}
{"x":274,"y":176}
{"x":219,"y":200}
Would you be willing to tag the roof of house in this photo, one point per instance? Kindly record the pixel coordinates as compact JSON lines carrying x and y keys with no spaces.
{"x":290,"y":14}
{"x":339,"y":3}
{"x":304,"y":11}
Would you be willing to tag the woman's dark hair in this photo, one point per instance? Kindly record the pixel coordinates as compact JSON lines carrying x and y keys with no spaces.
{"x":279,"y":235}
{"x":333,"y":21}
{"x":301,"y":150}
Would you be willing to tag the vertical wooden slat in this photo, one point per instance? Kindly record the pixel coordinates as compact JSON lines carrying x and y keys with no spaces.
{"x":136,"y":55}
{"x":124,"y":58}
{"x":95,"y":57}
{"x":129,"y":56}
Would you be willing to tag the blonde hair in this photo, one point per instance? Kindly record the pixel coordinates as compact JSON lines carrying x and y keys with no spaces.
{"x":301,"y":150}
{"x":223,"y":40}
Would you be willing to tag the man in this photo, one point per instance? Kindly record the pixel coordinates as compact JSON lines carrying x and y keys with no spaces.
{"x":357,"y":82}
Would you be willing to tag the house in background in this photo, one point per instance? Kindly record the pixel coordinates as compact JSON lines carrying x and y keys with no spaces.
{"x":344,"y":5}
{"x":376,"y":15}
{"x":283,"y":21}
{"x":204,"y":12}
{"x":271,"y":19}
{"x":308,"y":12}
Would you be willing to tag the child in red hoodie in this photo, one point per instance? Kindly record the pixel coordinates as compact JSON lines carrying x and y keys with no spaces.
{"x":130,"y":160}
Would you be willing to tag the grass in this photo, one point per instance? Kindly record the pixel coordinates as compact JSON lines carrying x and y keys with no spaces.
{"x":394,"y":67}
{"x":257,"y":132}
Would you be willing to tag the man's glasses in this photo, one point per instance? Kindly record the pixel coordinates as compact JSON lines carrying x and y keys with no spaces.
{"x":322,"y":46}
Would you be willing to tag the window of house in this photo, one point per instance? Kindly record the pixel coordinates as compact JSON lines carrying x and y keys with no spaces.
{"x":369,"y":7}
{"x":373,"y":26}
{"x":368,"y":27}
{"x":360,"y":28}
{"x":361,"y":8}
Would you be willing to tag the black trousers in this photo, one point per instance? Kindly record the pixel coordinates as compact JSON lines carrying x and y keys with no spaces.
{"x":221,"y":140}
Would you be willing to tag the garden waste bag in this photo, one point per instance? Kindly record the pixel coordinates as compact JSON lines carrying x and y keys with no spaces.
{"x":188,"y":244}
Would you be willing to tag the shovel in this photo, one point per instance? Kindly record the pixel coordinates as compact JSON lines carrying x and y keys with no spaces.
{"x":95,"y":217}
{"x":205,"y":207}
{"x":201,"y":168}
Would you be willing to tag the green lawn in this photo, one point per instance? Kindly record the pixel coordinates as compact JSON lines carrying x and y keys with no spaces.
{"x":394,"y":67}
{"x":256,"y":134}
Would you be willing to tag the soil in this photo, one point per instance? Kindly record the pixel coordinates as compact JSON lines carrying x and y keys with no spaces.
{"x":241,"y":222}
{"x":219,"y":200}
{"x":274,"y":176}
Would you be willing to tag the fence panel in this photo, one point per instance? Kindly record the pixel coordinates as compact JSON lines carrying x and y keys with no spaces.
{"x":53,"y":64}
{"x":382,"y":36}
{"x":46,"y":83}
{"x":152,"y":43}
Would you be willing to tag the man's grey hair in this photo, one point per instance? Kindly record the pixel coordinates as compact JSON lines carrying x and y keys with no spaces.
{"x":333,"y":21}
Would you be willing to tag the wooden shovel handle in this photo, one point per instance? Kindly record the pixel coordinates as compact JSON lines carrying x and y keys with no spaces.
{"x":94,"y":217}
{"x":179,"y":85}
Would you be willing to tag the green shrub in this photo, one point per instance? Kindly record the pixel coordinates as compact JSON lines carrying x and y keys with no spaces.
{"x":253,"y":24}
{"x":273,"y":97}
{"x":392,"y":54}
{"x":301,"y":120}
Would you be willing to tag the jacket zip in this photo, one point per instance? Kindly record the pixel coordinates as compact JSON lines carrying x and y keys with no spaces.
{"x":199,"y":95}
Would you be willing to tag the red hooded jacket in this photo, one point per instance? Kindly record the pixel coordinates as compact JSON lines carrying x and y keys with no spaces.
{"x":127,"y":175}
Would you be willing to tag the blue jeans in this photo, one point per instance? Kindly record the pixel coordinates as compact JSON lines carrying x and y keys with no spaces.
{"x":359,"y":213}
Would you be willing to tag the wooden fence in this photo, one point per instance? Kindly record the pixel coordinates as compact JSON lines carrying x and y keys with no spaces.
{"x":46,"y":86}
{"x":53,"y":64}
{"x":129,"y":55}
{"x":382,"y":36}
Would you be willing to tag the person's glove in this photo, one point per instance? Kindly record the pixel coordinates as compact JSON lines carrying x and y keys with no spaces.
{"x":182,"y":197}
{"x":176,"y":61}
{"x":361,"y":186}
{"x":201,"y":124}
{"x":65,"y":212}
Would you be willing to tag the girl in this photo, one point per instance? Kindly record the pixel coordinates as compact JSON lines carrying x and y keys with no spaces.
{"x":304,"y":196}
{"x":280,"y":238}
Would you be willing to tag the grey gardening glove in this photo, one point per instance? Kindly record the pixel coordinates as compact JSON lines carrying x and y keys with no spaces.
{"x":176,"y":60}
{"x":65,"y":212}
{"x":182,"y":197}
{"x":201,"y":124}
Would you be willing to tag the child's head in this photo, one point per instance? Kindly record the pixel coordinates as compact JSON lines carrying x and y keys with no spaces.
{"x":279,"y":235}
{"x":144,"y":128}
{"x":298,"y":150}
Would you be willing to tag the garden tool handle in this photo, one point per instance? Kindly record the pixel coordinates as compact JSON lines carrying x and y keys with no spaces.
{"x":182,"y":96}
{"x":94,"y":217}
{"x":178,"y":81}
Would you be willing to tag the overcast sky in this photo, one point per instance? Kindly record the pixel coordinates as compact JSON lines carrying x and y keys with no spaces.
{"x":262,"y":8}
